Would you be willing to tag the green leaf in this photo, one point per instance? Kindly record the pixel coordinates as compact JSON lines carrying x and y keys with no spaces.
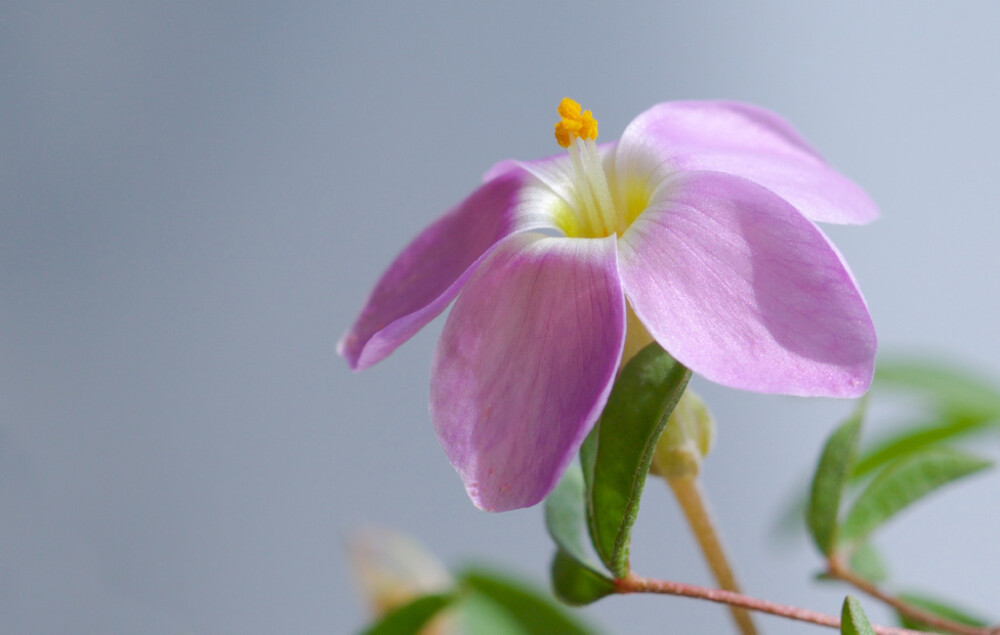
{"x":866,"y":562}
{"x":576,"y":584}
{"x":952,"y":390}
{"x":479,"y":615}
{"x":566,"y":515}
{"x":914,"y":438}
{"x":409,"y":618}
{"x":853,"y":620}
{"x":939,"y":608}
{"x":531,"y":609}
{"x":616,"y":460}
{"x":904,"y":482}
{"x":574,"y":579}
{"x":828,"y":482}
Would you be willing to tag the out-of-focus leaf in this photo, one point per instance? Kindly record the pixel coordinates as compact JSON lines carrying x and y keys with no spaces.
{"x":868,"y":563}
{"x":530,"y":608}
{"x":409,"y":618}
{"x":939,"y":608}
{"x":914,"y":438}
{"x":828,"y":482}
{"x":576,"y":584}
{"x":952,"y":390}
{"x":788,"y":522}
{"x":479,"y":615}
{"x":620,"y":452}
{"x":903,"y":482}
{"x":566,"y":515}
{"x":853,"y":620}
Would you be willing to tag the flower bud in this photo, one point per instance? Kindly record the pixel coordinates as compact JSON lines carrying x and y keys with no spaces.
{"x":686,"y":439}
{"x":391,"y":569}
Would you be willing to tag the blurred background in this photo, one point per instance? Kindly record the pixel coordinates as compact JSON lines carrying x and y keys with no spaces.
{"x":196,"y":198}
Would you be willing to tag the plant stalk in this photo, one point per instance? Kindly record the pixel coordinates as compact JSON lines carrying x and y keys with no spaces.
{"x":837,"y":570}
{"x":637,"y":584}
{"x":688,"y":492}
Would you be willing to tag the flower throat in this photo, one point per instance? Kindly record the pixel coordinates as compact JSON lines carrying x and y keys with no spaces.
{"x":595,"y":214}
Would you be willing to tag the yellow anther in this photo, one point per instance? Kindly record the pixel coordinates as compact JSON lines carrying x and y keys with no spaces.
{"x":574,"y":123}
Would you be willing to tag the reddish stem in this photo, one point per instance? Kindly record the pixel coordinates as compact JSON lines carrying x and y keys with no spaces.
{"x":837,"y":570}
{"x":637,"y":584}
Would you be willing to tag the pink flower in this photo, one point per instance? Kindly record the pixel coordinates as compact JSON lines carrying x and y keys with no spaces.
{"x":695,"y":230}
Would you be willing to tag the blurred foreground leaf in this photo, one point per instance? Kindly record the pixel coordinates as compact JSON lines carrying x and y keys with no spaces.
{"x":853,"y":620}
{"x":904,"y":482}
{"x":527,"y":610}
{"x":479,"y":615}
{"x":617,"y":454}
{"x":828,"y":482}
{"x":952,"y":390}
{"x":409,"y":618}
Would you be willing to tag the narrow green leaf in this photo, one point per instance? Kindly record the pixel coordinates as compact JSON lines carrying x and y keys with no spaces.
{"x":575,"y":584}
{"x":866,"y":562}
{"x":828,"y":482}
{"x":904,"y":482}
{"x":952,"y":390}
{"x":914,"y":438}
{"x":566,"y":515}
{"x":939,"y":608}
{"x":409,"y":618}
{"x":530,"y":608}
{"x":617,"y":460}
{"x":853,"y":620}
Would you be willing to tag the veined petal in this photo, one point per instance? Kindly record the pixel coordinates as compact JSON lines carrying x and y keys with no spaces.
{"x":746,"y":141}
{"x":737,"y":285}
{"x":551,"y":200}
{"x":429,"y":272}
{"x":525,"y":364}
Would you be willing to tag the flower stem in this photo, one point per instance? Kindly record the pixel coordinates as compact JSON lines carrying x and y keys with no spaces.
{"x":836,"y":569}
{"x":638,"y":584}
{"x":692,"y":500}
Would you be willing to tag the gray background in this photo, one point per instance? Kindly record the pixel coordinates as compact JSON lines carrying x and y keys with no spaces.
{"x":196,"y":197}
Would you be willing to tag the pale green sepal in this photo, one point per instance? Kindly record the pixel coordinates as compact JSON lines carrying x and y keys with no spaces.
{"x":686,"y":439}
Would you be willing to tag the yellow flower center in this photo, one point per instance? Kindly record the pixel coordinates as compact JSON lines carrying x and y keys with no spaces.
{"x":598,"y":209}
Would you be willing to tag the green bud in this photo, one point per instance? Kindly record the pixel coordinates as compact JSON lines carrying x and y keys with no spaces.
{"x":686,"y":439}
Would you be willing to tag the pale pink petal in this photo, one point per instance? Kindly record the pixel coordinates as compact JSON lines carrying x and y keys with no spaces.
{"x":746,"y":141}
{"x":525,"y":364}
{"x":429,"y":272}
{"x":736,"y":284}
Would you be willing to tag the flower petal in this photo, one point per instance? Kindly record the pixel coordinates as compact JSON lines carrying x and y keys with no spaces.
{"x":429,"y":272}
{"x":525,"y":364}
{"x":736,"y":284}
{"x":548,"y":198}
{"x":746,"y":141}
